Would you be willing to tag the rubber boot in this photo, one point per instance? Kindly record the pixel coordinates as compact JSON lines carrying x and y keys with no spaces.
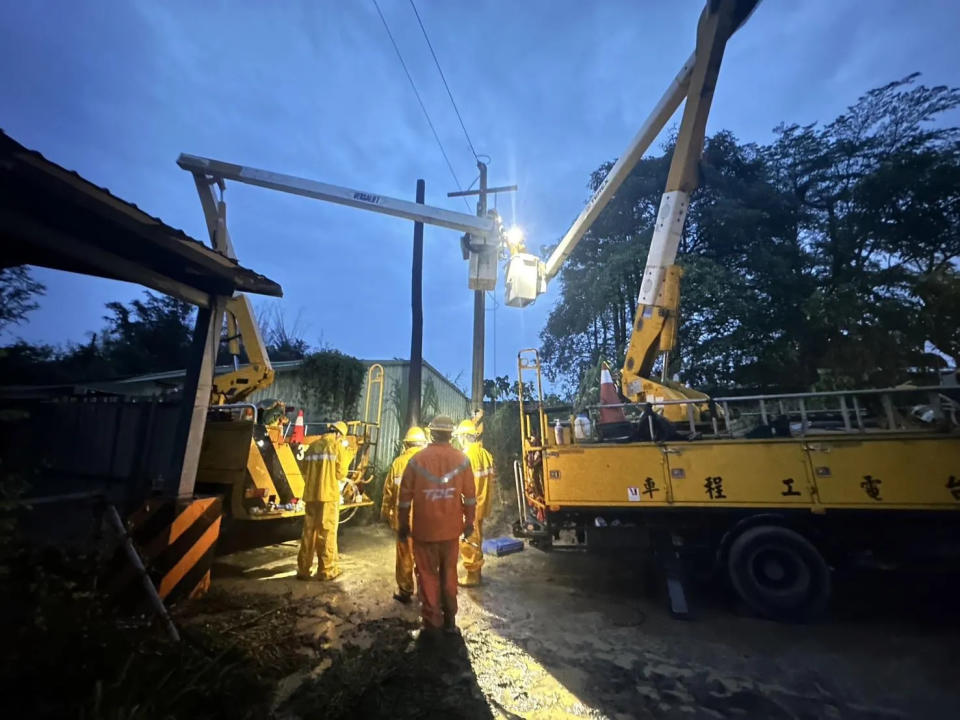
{"x":472,"y":578}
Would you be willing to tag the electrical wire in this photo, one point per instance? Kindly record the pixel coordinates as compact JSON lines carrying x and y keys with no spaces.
{"x":419,"y":99}
{"x":444,"y":78}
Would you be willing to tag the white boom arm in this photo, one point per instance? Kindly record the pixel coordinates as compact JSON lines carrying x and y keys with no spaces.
{"x":527,"y":277}
{"x":661,"y":114}
{"x":484,"y":227}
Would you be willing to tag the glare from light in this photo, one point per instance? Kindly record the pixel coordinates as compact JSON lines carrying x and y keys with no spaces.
{"x":515,"y":235}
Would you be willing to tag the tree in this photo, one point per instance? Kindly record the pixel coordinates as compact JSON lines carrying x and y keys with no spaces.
{"x":828,"y":257}
{"x":497,"y":388}
{"x":283,"y":339}
{"x":150,"y":335}
{"x":18,"y":291}
{"x":331,"y":383}
{"x":153,"y":334}
{"x":501,"y":389}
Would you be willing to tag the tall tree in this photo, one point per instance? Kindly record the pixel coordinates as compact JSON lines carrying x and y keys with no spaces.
{"x":18,"y":292}
{"x":149,"y":335}
{"x":828,"y":257}
{"x":283,"y":338}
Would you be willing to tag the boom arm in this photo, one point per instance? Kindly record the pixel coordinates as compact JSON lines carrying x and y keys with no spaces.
{"x":480,"y":226}
{"x":663,"y":111}
{"x":485,"y":235}
{"x":655,"y":324}
{"x":527,"y":277}
{"x":239,"y":384}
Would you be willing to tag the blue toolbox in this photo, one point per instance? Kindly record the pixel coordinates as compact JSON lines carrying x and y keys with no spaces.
{"x":502,"y":546}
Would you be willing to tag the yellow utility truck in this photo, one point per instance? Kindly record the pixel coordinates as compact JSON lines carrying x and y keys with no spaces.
{"x":248,"y":455}
{"x":771,"y":490}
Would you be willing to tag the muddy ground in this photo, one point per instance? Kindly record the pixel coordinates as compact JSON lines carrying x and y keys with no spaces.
{"x":572,"y":634}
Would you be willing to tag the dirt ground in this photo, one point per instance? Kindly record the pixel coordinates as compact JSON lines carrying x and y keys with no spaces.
{"x":572,"y":634}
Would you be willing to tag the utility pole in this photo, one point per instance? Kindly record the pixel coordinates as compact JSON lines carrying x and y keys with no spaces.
{"x":479,"y":315}
{"x":414,"y":383}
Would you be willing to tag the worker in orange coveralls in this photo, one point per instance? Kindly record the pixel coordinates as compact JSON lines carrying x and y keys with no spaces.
{"x":414,"y":441}
{"x":438,"y":487}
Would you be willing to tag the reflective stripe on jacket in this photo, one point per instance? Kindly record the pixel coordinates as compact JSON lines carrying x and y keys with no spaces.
{"x":324,"y":468}
{"x":438,"y":487}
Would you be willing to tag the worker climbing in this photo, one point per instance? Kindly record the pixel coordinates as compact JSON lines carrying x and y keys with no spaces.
{"x":326,"y":466}
{"x":481,"y":463}
{"x":413,"y":442}
{"x":438,"y":488}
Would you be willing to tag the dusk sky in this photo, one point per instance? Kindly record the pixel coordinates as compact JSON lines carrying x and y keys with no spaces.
{"x":549,"y":90}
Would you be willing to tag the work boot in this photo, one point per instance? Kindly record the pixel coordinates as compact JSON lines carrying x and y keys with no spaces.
{"x":450,"y":628}
{"x":428,"y":637}
{"x":333,"y":575}
{"x":302,"y":577}
{"x":403,"y":597}
{"x":470,"y":579}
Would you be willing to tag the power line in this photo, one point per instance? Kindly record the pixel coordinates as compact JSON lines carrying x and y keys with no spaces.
{"x":419,"y":99}
{"x":444,"y":78}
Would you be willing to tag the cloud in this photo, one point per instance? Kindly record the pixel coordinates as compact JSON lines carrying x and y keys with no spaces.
{"x":548,"y":89}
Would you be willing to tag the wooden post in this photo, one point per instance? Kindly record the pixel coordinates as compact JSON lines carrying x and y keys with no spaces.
{"x":197,"y":388}
{"x":414,"y":381}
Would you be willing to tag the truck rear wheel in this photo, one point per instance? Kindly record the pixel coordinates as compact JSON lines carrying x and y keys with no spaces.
{"x":779,"y":573}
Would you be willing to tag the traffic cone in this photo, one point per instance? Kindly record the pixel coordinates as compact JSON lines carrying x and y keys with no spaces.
{"x":609,"y":396}
{"x":298,"y":435}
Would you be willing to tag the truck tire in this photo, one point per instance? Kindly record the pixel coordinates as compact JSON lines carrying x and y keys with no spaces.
{"x":779,"y":573}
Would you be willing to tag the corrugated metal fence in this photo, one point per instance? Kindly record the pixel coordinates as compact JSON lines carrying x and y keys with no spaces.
{"x":131,"y":443}
{"x":439,"y":396}
{"x":121,"y":444}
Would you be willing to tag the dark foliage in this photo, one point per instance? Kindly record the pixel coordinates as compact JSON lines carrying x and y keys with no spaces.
{"x":827,"y":258}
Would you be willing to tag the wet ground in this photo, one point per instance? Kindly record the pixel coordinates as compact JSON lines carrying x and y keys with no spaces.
{"x":571,"y":634}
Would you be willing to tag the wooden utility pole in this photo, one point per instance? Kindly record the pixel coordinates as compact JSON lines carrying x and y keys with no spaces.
{"x":414,"y":382}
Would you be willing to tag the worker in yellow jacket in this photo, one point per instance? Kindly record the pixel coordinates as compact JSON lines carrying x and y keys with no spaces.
{"x":326,"y":465}
{"x":413,"y":442}
{"x":481,"y":462}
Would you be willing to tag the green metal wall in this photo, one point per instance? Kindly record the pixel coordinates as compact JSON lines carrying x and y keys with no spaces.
{"x":439,"y":396}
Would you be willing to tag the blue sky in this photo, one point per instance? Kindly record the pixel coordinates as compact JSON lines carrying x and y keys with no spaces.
{"x":549,"y":89}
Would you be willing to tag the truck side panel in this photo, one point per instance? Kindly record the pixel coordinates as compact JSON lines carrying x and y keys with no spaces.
{"x":756,"y":472}
{"x":604,"y":475}
{"x":869,"y":473}
{"x":902,"y":472}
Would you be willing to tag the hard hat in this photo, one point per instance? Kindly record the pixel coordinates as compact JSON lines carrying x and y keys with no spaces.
{"x":415,"y":436}
{"x":340,"y":426}
{"x":466,"y":427}
{"x":441,"y":423}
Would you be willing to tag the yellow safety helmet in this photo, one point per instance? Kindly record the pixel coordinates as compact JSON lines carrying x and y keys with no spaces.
{"x":415,"y":436}
{"x":466,"y":427}
{"x":441,"y":423}
{"x":340,"y":426}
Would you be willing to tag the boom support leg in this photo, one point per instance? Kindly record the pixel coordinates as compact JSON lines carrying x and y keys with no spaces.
{"x":669,"y":560}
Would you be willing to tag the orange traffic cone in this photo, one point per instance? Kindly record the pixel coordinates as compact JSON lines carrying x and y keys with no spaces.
{"x":298,"y":435}
{"x":609,"y":396}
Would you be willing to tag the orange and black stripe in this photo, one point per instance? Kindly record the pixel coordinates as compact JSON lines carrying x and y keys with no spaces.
{"x":177,"y":541}
{"x":268,"y":452}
